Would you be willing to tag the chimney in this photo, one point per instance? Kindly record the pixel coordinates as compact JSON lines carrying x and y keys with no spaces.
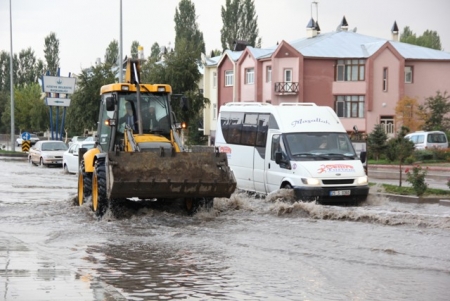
{"x":394,"y":31}
{"x":344,"y":24}
{"x":311,"y":30}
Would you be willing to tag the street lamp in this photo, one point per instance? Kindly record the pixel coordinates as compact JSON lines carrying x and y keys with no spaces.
{"x":11,"y":79}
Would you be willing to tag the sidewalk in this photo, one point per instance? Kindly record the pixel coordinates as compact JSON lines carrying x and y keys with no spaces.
{"x":437,"y":176}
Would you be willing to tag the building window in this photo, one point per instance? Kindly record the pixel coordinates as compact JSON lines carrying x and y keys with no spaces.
{"x":350,"y":70}
{"x":268,"y":74}
{"x":214,"y":80}
{"x":288,"y":75}
{"x":250,"y":76}
{"x":214,"y":111}
{"x":229,"y":78}
{"x":387,"y":122}
{"x":408,"y":75}
{"x":350,"y":106}
{"x":385,"y":79}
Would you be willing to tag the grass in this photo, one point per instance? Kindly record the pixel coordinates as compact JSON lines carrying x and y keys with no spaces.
{"x":393,"y":189}
{"x":386,"y":162}
{"x":8,"y":152}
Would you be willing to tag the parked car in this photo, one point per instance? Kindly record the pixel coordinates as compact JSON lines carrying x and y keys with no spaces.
{"x":76,"y":139}
{"x":70,"y":156}
{"x":423,"y":140}
{"x":47,"y":152}
{"x":33,"y":139}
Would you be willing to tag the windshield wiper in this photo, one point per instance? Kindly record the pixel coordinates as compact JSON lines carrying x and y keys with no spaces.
{"x":341,"y":155}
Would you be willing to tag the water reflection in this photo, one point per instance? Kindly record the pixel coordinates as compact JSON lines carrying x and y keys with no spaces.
{"x":143,"y":272}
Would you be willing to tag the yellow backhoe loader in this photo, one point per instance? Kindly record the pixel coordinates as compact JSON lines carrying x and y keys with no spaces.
{"x":139,"y":152}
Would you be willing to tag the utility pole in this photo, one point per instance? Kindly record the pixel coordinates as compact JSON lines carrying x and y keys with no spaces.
{"x":120,"y":47}
{"x":13,"y":145}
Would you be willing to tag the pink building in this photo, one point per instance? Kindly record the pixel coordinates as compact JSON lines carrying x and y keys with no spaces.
{"x":361,"y":77}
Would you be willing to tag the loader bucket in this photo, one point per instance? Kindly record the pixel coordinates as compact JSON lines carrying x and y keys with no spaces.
{"x":177,"y":175}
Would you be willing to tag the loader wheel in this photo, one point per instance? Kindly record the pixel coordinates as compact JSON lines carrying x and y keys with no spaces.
{"x":84,"y":184}
{"x":194,"y":204}
{"x":99,"y":200}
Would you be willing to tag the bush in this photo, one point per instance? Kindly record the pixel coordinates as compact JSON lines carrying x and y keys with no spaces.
{"x":416,"y":177}
{"x":423,"y":155}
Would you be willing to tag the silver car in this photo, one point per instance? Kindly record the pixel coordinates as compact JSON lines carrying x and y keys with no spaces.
{"x":33,"y":139}
{"x":47,"y":152}
{"x":70,"y":156}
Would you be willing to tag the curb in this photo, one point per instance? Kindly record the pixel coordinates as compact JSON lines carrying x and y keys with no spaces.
{"x":18,"y":155}
{"x":414,"y":199}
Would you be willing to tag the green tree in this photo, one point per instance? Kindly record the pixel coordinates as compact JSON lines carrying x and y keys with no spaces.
{"x":134,"y":49}
{"x":84,"y":107}
{"x":240,"y":22}
{"x":186,"y":29}
{"x":29,"y":69}
{"x":155,"y":52}
{"x":434,"y":112}
{"x":398,"y":149}
{"x":429,"y":38}
{"x":216,"y":52}
{"x":30,"y":112}
{"x":377,"y":141}
{"x":51,"y":51}
{"x":5,"y":73}
{"x":112,"y":53}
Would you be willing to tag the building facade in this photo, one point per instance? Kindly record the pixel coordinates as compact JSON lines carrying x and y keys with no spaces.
{"x":361,"y":77}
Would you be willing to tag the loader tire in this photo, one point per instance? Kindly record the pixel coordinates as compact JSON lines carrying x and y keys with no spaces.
{"x":84,"y":184}
{"x":194,"y":204}
{"x":99,"y":199}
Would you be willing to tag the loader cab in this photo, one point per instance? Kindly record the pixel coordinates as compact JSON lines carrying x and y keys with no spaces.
{"x":115,"y":109}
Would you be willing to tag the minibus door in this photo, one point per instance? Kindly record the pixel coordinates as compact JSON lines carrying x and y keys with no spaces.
{"x":274,"y":172}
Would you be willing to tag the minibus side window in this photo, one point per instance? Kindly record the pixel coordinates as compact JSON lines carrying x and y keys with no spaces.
{"x":224,"y":124}
{"x":235,"y":128}
{"x":277,"y":145}
{"x":249,"y":129}
{"x":263,"y":125}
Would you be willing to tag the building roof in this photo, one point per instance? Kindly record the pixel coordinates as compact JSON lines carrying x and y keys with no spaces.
{"x":349,"y":44}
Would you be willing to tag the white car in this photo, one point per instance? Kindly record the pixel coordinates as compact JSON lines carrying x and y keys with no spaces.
{"x":33,"y":139}
{"x":70,"y":157}
{"x":47,"y":152}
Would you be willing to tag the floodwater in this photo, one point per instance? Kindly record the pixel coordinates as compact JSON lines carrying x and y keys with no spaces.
{"x":246,"y":248}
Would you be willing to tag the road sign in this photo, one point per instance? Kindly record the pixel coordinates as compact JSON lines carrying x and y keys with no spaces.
{"x":58,"y":84}
{"x":59,"y":102}
{"x":26,"y":136}
{"x":25,"y":145}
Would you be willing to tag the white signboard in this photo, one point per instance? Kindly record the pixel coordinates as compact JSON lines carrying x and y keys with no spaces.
{"x":58,"y":84}
{"x":61,"y":102}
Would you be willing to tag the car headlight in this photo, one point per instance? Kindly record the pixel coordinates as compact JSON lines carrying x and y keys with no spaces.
{"x":362,"y":180}
{"x":310,"y":181}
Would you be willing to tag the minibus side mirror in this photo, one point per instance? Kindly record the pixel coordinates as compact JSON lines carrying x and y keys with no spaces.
{"x":363,"y":156}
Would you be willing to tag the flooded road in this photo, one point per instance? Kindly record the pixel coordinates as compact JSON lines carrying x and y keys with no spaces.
{"x":246,"y":248}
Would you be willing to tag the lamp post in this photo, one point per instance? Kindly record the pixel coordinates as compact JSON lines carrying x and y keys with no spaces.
{"x":120,"y":47}
{"x":11,"y":79}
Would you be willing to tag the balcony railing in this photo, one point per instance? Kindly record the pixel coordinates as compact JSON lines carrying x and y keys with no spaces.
{"x":286,"y":87}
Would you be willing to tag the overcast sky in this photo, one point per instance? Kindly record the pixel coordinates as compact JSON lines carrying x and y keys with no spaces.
{"x":86,"y":27}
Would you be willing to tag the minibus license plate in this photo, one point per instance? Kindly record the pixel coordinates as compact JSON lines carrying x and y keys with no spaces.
{"x":339,"y":192}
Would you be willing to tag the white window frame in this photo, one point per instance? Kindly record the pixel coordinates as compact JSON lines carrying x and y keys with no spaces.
{"x":385,"y":79}
{"x":229,"y":78}
{"x":214,"y":79}
{"x":268,"y":74}
{"x":249,"y":76}
{"x":408,"y":74}
{"x":288,"y":79}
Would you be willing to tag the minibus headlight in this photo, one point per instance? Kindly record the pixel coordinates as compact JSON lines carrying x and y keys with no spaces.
{"x":310,"y":181}
{"x":362,"y":180}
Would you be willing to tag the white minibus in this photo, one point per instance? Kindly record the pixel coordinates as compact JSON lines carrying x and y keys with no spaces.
{"x":299,"y":146}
